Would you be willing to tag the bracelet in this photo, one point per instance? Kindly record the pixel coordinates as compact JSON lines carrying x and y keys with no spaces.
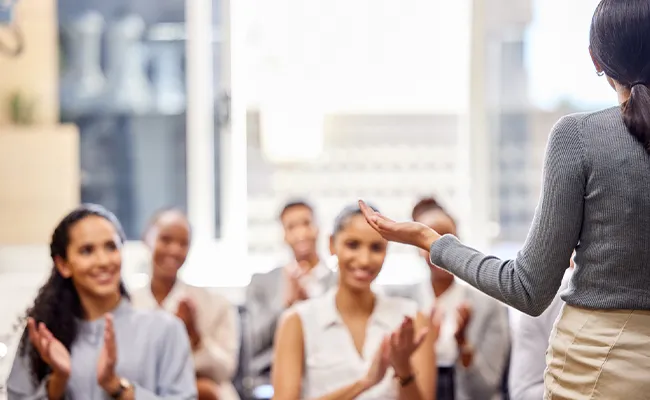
{"x":406,"y":380}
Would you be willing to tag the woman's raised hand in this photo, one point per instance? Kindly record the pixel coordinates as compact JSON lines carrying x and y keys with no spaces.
{"x":403,"y":343}
{"x":412,"y":233}
{"x":379,"y":365}
{"x":51,"y":350}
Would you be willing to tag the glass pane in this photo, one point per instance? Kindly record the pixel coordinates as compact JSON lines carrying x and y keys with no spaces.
{"x":123,"y":83}
{"x":528,"y":91}
{"x":221,"y":105}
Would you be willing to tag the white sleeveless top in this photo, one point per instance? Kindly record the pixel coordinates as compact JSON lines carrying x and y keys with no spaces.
{"x":331,"y":359}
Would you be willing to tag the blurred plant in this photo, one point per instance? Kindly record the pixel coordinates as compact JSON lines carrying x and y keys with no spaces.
{"x":21,"y":109}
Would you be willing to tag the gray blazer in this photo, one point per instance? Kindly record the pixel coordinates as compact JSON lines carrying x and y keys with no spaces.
{"x":488,"y":332}
{"x":264,"y":306}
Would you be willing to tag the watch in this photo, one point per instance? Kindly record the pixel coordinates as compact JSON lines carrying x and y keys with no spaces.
{"x":124,"y":386}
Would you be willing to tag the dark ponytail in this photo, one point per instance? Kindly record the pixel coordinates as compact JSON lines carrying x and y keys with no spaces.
{"x":57,"y":303}
{"x":636,"y":114}
{"x":620,"y":45}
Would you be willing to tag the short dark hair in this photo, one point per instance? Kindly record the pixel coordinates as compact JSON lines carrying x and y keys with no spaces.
{"x":295,"y":203}
{"x":153,"y":220}
{"x":425,"y":205}
{"x":346,"y":214}
{"x":619,"y":40}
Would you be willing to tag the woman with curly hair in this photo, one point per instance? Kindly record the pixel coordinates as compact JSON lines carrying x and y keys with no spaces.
{"x":83,"y":339}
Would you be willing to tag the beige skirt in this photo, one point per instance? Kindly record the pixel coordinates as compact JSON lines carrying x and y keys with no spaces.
{"x":596,"y":354}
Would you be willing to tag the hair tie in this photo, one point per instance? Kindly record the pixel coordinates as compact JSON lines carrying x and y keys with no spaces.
{"x":638,"y":83}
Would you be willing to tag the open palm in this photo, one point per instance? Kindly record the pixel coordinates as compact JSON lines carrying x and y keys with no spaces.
{"x":108,"y":356}
{"x":51,"y":350}
{"x":409,"y":232}
{"x":380,"y":363}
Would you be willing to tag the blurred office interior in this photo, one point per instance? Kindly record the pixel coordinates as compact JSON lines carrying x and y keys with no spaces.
{"x":229,"y":108}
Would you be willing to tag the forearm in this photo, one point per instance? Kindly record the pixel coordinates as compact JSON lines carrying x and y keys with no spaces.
{"x":349,"y":392}
{"x":520,"y":283}
{"x":56,"y":386}
{"x":531,"y":280}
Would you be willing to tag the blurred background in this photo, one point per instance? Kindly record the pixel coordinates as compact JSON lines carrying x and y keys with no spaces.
{"x":228,"y":109}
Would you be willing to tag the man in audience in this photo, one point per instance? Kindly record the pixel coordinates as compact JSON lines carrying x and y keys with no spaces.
{"x":269,"y":294}
{"x":529,"y":344}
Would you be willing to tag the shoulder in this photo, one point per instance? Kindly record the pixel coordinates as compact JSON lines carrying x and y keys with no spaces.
{"x":310,"y":307}
{"x":263,"y":278}
{"x":409,"y":291}
{"x":209,"y":302}
{"x":291,"y":321}
{"x":577,"y":125}
{"x":207,"y":296}
{"x":140,"y":296}
{"x":155,"y":323}
{"x":398,"y":306}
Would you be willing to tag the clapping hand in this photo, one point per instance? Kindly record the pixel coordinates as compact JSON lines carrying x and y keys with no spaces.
{"x":464,"y":314}
{"x":51,"y":350}
{"x":106,"y":377}
{"x":380,"y":364}
{"x":295,"y":292}
{"x":412,"y":233}
{"x":186,"y":312}
{"x":404,"y":341}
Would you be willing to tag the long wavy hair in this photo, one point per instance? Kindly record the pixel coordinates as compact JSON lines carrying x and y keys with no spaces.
{"x":57,"y":304}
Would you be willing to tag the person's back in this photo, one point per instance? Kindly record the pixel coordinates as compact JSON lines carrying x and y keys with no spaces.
{"x":594,"y":200}
{"x":611,"y":260}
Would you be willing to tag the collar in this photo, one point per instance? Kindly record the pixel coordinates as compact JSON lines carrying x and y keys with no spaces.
{"x":177,"y":292}
{"x":329,"y":315}
{"x":97,"y":326}
{"x":321,"y":270}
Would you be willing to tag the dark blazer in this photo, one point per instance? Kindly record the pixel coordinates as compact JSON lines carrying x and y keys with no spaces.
{"x":264,"y":306}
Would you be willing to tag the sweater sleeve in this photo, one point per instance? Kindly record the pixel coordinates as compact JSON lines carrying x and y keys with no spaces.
{"x":530,"y":281}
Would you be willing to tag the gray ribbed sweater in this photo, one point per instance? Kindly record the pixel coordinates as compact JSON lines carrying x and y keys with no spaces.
{"x":595,"y":198}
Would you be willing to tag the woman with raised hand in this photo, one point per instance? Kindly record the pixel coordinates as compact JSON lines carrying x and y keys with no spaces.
{"x":595,"y":199}
{"x":83,"y":339}
{"x":353,"y":343}
{"x":210,"y":320}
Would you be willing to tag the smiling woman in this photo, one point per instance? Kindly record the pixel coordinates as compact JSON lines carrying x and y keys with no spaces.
{"x":376,"y":338}
{"x":75,"y":342}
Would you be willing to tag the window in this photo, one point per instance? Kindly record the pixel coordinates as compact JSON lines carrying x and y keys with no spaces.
{"x":149,"y":84}
{"x":536,"y":68}
{"x":124,"y":81}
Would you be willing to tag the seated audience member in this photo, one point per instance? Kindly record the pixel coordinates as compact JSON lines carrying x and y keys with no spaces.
{"x":83,"y":339}
{"x":269,"y":294}
{"x":472,"y":351}
{"x":210,"y":320}
{"x":352,"y":343}
{"x":529,"y":344}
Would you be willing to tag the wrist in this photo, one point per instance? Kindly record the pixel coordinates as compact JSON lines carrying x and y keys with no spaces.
{"x":428,"y":237}
{"x":111,"y":385}
{"x":59,"y":377}
{"x":364,"y":384}
{"x":403,"y":371}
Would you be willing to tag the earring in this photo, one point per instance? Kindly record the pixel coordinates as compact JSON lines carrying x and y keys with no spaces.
{"x":600,"y":73}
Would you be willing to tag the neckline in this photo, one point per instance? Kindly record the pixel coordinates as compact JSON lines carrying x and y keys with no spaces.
{"x":121,"y":309}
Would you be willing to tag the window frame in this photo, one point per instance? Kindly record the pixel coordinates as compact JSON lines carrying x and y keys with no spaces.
{"x":206,"y":264}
